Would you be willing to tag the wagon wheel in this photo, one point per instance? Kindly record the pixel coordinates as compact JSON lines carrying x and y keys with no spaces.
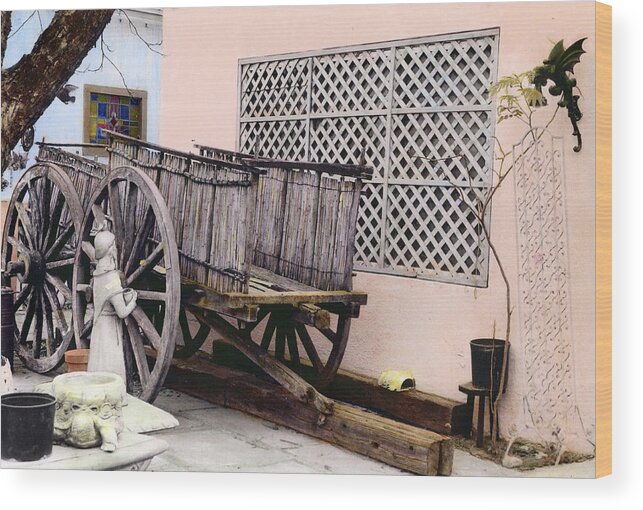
{"x":38,"y":246}
{"x":135,"y":212}
{"x":288,"y":339}
{"x":193,"y":334}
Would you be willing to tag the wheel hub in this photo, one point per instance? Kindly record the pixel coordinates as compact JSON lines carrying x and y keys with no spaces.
{"x":30,"y":267}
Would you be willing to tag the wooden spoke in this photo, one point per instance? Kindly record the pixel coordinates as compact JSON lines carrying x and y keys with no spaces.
{"x":138,"y":349}
{"x":34,"y":210}
{"x":149,"y":263}
{"x":141,"y":237}
{"x":287,"y":326}
{"x":129,"y":223}
{"x":60,"y":263}
{"x":191,"y":343}
{"x":87,"y":329}
{"x":18,"y":244}
{"x":328,"y":333}
{"x":29,"y":313}
{"x":57,"y":309}
{"x":26,"y":225}
{"x":43,"y":206}
{"x":116,"y":215}
{"x":268,"y":332}
{"x":280,"y":343}
{"x":51,"y":336}
{"x":183,"y":322}
{"x":22,"y":296}
{"x":59,"y":285}
{"x":54,"y":224}
{"x":58,"y":244}
{"x":311,"y":352}
{"x":151,"y":295}
{"x":293,"y":351}
{"x":37,"y":339}
{"x":88,"y":249}
{"x":147,"y":327}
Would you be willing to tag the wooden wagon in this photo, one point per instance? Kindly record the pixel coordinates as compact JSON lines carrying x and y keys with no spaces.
{"x":258,"y":250}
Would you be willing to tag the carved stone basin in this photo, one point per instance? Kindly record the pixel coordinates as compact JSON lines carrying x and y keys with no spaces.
{"x":89,"y":409}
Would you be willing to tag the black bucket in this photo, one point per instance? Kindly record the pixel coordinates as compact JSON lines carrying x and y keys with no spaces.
{"x":27,"y":425}
{"x":486,"y":363}
{"x":7,"y":322}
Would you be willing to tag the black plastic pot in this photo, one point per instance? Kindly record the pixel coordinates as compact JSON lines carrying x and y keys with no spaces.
{"x":27,"y":425}
{"x":486,"y":363}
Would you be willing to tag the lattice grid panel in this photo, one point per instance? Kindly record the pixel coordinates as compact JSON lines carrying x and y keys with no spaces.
{"x":457,"y":143}
{"x":431,"y":231}
{"x":456,"y":72}
{"x":275,"y":88}
{"x":343,"y":139}
{"x":420,"y":112}
{"x":281,"y":139}
{"x":347,"y":82}
{"x":369,"y":225}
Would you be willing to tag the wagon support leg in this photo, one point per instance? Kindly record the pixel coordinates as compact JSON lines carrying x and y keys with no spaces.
{"x":275,"y":369}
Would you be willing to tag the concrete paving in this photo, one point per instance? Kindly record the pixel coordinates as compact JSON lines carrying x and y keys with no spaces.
{"x":216,"y":439}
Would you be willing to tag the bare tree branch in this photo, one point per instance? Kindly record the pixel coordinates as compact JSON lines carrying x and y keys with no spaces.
{"x":135,"y":31}
{"x":22,"y":25}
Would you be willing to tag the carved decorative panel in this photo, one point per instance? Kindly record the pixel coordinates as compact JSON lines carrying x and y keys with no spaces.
{"x":543,"y":283}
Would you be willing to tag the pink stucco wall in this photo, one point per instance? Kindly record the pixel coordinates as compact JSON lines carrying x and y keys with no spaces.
{"x":420,"y":325}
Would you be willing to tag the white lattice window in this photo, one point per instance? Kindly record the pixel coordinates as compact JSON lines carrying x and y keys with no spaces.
{"x":394,"y":101}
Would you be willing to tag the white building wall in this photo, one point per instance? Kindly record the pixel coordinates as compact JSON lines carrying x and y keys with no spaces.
{"x":140,"y":67}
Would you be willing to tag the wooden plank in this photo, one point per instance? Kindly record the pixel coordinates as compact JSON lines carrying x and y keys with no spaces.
{"x":397,"y":444}
{"x":195,"y":157}
{"x":292,"y":298}
{"x":358,"y":171}
{"x":205,"y":297}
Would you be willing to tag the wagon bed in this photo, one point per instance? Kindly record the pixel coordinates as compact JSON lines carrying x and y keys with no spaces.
{"x":258,"y":250}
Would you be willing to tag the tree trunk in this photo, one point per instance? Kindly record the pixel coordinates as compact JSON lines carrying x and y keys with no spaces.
{"x":29,"y":86}
{"x":6,"y":29}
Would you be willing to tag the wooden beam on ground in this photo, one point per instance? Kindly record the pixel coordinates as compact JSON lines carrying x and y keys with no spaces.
{"x":426,"y":410}
{"x":397,"y":444}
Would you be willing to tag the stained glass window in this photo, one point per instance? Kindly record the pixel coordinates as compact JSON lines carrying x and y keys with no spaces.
{"x":109,"y":112}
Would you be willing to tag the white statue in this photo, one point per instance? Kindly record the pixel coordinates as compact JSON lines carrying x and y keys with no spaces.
{"x":112,"y":303}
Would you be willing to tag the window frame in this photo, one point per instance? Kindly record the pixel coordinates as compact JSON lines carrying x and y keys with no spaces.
{"x":88,"y":89}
